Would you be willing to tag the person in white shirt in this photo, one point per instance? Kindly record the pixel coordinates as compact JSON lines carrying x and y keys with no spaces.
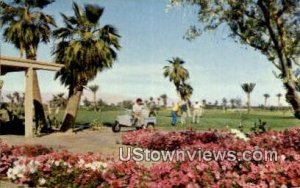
{"x":197,"y":112}
{"x":137,"y":109}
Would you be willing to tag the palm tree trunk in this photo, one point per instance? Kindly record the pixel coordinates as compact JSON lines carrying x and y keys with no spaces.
{"x":95,"y":105}
{"x":71,"y":110}
{"x":266,"y":102}
{"x":248,"y":103}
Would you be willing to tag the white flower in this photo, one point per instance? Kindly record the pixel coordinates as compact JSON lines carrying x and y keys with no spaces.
{"x":56,"y":163}
{"x":239,"y":134}
{"x":42,"y":181}
{"x":81,"y":163}
{"x":16,"y":172}
{"x":96,"y":165}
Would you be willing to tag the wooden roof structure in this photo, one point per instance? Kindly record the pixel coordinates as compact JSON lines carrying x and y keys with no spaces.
{"x":32,"y":91}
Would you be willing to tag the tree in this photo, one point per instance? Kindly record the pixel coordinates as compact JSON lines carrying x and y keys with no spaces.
{"x":216,"y":103}
{"x":204,"y":102}
{"x":59,"y":100}
{"x":248,"y":89}
{"x":232,"y":102}
{"x":164,"y":97}
{"x":94,"y":89}
{"x":85,"y":49}
{"x":279,"y":95}
{"x":270,"y":27}
{"x":158,"y":101}
{"x":86,"y":102}
{"x":238,"y":102}
{"x":176,"y":72}
{"x":26,"y":26}
{"x":266,"y":96}
{"x":178,"y":75}
{"x":11,"y":98}
{"x":151,"y":99}
{"x":224,"y":104}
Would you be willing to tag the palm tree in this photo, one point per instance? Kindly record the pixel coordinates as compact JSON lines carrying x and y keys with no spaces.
{"x":248,"y":89}
{"x":151,"y":99}
{"x":279,"y":95}
{"x":224,"y":104}
{"x":85,"y":49}
{"x":158,"y":101}
{"x":232,"y":102}
{"x":25,"y":26}
{"x":17,"y":97}
{"x":164,"y":97}
{"x":266,"y":96}
{"x":11,"y":98}
{"x":176,"y":72}
{"x":94,"y":89}
{"x":59,"y":100}
{"x":204,"y":102}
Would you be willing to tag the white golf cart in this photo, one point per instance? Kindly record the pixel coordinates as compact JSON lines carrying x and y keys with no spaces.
{"x":126,"y":120}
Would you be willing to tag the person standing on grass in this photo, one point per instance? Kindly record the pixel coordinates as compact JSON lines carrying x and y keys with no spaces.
{"x":197,"y":112}
{"x":175,"y":109}
{"x":184,"y":112}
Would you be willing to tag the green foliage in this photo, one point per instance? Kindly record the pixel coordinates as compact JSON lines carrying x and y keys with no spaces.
{"x":178,"y":75}
{"x":270,"y":27}
{"x":25,"y":26}
{"x":248,"y":87}
{"x":86,"y":102}
{"x":84,"y":47}
{"x":176,"y":72}
{"x":259,"y":127}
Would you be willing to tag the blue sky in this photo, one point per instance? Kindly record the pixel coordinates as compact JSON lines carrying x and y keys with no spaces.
{"x":150,"y":36}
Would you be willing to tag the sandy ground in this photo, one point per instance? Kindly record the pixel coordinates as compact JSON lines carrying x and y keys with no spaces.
{"x":100,"y":141}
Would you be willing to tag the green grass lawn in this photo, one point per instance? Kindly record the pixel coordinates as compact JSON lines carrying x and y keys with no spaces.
{"x":212,"y":119}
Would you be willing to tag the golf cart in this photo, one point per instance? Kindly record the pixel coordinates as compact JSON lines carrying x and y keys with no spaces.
{"x":127,"y":120}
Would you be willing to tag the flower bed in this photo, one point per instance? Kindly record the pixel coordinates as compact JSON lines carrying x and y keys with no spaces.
{"x":40,"y":166}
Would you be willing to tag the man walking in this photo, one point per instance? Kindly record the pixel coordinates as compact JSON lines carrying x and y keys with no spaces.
{"x":197,"y":112}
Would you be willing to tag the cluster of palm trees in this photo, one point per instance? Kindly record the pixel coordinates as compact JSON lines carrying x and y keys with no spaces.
{"x":179,"y":75}
{"x":267,"y":96}
{"x":16,"y":99}
{"x":162,"y":98}
{"x":82,"y":45}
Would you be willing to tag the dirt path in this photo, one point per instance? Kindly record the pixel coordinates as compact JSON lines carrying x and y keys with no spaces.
{"x":101,"y":141}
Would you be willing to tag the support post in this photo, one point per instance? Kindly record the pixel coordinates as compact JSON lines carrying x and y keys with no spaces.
{"x":29,"y":103}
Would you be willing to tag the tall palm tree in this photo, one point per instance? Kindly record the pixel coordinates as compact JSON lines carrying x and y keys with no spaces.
{"x":232,"y":102}
{"x":176,"y":72}
{"x":151,"y":99}
{"x":158,"y":101}
{"x":224,"y":104}
{"x":85,"y":48}
{"x":248,"y":89}
{"x":94,"y":89}
{"x":25,"y":26}
{"x":164,"y":97}
{"x":279,"y":95}
{"x":266,"y":96}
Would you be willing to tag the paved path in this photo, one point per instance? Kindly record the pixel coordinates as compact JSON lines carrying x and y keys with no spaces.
{"x":100,"y":141}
